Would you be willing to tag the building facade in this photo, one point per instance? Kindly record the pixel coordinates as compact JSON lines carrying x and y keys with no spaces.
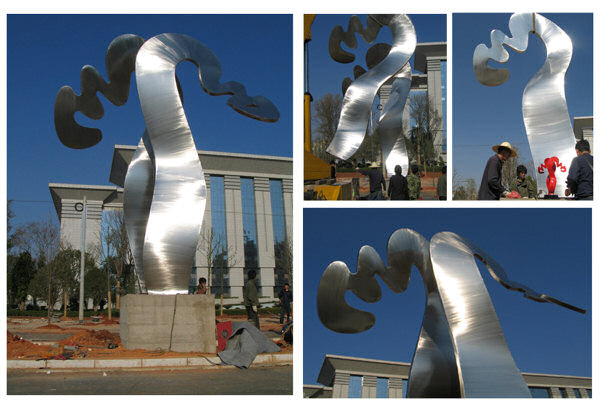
{"x":428,"y":78}
{"x":247,"y":222}
{"x":583,"y":128}
{"x":348,"y":377}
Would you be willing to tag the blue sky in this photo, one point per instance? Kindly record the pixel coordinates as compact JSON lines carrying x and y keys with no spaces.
{"x":548,"y":250}
{"x":326,"y":75}
{"x":46,"y":52}
{"x":485,"y":116}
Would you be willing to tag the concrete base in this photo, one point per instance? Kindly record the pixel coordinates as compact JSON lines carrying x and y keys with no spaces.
{"x":181,"y":323}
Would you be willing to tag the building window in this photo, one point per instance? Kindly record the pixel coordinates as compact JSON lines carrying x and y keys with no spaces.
{"x":589,"y":392}
{"x":404,"y":387}
{"x":249,"y":227}
{"x":382,"y":389}
{"x":563,"y":393}
{"x":282,"y":247}
{"x":355,"y":386}
{"x":219,"y":282}
{"x":577,"y":393}
{"x":537,"y":392}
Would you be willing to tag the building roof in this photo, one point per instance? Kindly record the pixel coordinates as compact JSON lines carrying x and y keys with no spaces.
{"x":423,"y":51}
{"x":378,"y":368}
{"x":109,"y":195}
{"x":580,"y":123}
{"x":375,"y":367}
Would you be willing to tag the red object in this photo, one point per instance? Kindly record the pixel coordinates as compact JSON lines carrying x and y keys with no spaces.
{"x":223,"y":333}
{"x":551,"y":164}
{"x":514,"y":195}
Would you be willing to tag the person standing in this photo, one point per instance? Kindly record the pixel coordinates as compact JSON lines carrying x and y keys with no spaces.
{"x":201,"y":286}
{"x":491,"y":182}
{"x":376,"y":181}
{"x":580,"y":181}
{"x":285,"y":301}
{"x":414,"y":183}
{"x":251,"y":299}
{"x":398,"y":187}
{"x":441,"y":184}
{"x":522,"y":184}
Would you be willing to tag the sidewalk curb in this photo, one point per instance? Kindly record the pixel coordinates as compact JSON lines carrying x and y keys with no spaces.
{"x":196,"y":362}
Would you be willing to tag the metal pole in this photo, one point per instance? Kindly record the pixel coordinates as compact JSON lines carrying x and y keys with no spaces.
{"x":82,"y":263}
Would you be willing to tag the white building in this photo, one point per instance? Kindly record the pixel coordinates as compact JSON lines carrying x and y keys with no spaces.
{"x":249,"y":208}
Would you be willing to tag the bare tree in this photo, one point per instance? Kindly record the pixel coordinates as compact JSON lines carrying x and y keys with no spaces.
{"x":284,"y":253}
{"x":326,"y":117}
{"x":471,"y":189}
{"x":116,"y":250}
{"x":427,"y":122}
{"x":41,"y":239}
{"x":218,"y":257}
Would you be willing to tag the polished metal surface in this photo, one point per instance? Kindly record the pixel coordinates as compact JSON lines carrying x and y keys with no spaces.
{"x":545,"y":112}
{"x":120,"y":64}
{"x":360,"y":94}
{"x":461,"y":350}
{"x":138,"y":189}
{"x":390,"y":128}
{"x":165,"y":190}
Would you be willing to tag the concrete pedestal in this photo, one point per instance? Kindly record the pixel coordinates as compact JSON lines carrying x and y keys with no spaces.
{"x":181,"y":323}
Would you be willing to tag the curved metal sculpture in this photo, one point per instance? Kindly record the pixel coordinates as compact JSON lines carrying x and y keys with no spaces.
{"x":360,"y":94}
{"x":545,"y":111}
{"x":461,"y":351}
{"x":165,"y":191}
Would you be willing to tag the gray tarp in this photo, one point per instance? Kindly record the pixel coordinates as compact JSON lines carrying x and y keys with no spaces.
{"x":244,"y":344}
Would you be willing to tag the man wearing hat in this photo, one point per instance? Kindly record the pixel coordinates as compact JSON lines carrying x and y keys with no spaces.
{"x":376,"y":181}
{"x":491,"y":183}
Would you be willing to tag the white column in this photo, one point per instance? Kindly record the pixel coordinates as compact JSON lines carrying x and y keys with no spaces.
{"x":201,"y":263}
{"x":395,"y":388}
{"x":264,"y":232}
{"x":434,"y":93}
{"x":235,"y":234}
{"x":341,"y":384}
{"x":369,"y":387}
{"x":70,"y":225}
{"x":288,"y":207}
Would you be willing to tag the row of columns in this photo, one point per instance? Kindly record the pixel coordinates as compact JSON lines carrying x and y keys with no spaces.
{"x":235,"y":232}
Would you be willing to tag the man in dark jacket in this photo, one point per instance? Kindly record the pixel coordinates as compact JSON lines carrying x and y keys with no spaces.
{"x":251,"y":298}
{"x":580,"y":181}
{"x":285,"y":301}
{"x":441,"y":184}
{"x":491,"y":183}
{"x":398,"y":187}
{"x":376,"y":181}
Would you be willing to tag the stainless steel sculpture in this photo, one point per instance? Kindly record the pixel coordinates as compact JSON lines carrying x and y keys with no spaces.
{"x":545,"y":112}
{"x":165,"y":190}
{"x":359,"y":96}
{"x":461,"y":351}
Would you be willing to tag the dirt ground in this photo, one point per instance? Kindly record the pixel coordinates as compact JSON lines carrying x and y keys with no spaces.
{"x":99,"y":340}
